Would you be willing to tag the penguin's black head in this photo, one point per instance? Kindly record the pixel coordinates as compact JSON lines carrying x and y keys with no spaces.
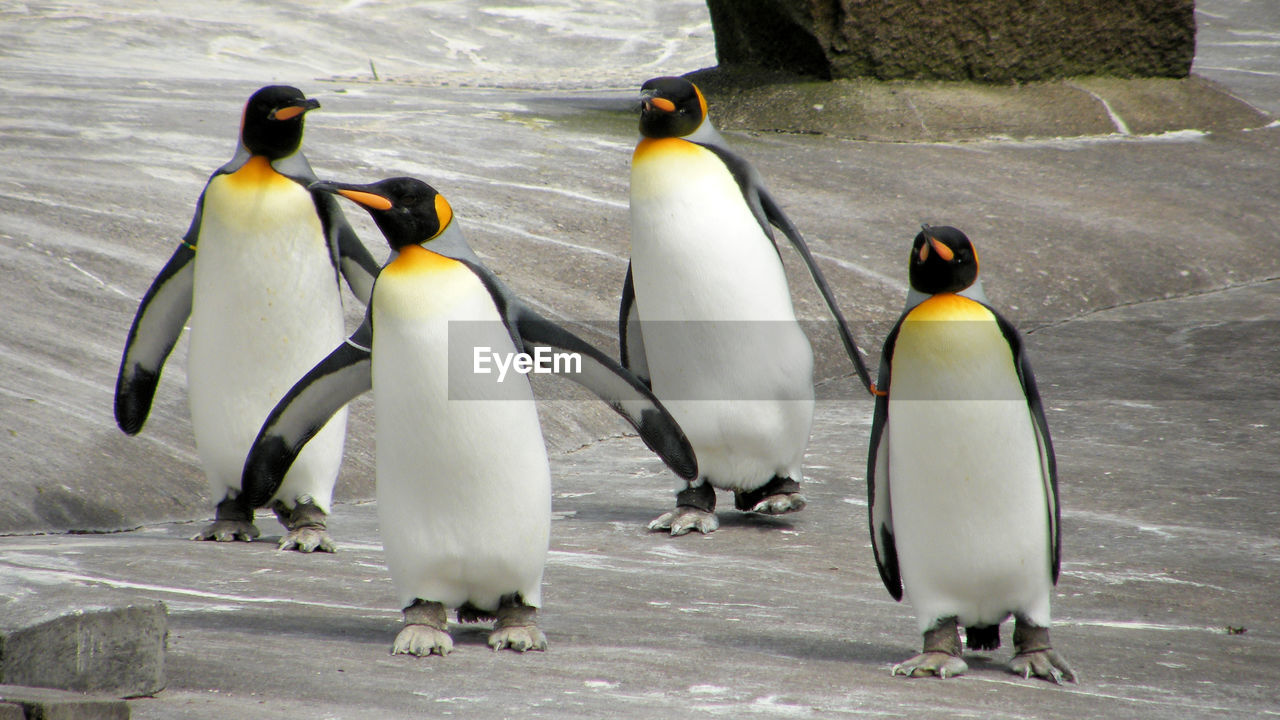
{"x":406,"y":210}
{"x":671,"y":107}
{"x":272,"y":122}
{"x":942,"y":261}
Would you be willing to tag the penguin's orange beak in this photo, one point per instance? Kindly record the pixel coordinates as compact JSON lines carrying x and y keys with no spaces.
{"x":293,"y":111}
{"x":367,"y":199}
{"x":373,"y":201}
{"x":944,"y":252}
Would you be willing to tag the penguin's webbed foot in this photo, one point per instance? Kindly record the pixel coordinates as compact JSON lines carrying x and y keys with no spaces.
{"x":941,"y":653}
{"x":695,"y":510}
{"x":423,"y":641}
{"x":306,"y":526}
{"x":684,"y":519}
{"x":940,"y":664}
{"x":308,"y":539}
{"x":781,"y":504}
{"x":518,"y":638}
{"x":516,"y":626}
{"x":231,"y":521}
{"x":425,"y":631}
{"x":1034,"y":656}
{"x":228,"y":531}
{"x":1046,"y":664}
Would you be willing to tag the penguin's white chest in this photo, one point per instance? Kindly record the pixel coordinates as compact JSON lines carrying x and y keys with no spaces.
{"x":464,"y":489}
{"x":697,"y":251}
{"x":265,"y":308}
{"x":724,"y":350}
{"x":967,"y":494}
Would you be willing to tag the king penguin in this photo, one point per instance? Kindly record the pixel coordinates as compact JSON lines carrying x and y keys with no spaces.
{"x":463,"y":485}
{"x":961,"y":474}
{"x":257,"y":276}
{"x":706,"y":314}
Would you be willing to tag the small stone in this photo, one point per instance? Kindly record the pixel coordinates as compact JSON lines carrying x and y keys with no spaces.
{"x":83,"y":639}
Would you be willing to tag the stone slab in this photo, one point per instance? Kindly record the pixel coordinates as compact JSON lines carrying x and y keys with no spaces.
{"x":923,"y":111}
{"x":83,"y":639}
{"x":1167,"y":602}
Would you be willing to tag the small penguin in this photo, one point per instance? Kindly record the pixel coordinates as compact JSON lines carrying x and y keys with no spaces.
{"x":706,"y":315}
{"x":463,"y":485}
{"x":961,"y":475}
{"x":257,"y":274}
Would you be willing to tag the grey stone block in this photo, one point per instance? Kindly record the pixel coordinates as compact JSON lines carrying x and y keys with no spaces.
{"x":34,"y":703}
{"x":82,"y":639}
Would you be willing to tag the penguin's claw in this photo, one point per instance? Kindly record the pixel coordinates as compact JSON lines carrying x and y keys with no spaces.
{"x":1046,"y":664}
{"x":308,"y":539}
{"x":305,"y":523}
{"x":931,"y":663}
{"x":228,"y":531}
{"x":684,"y":519}
{"x":520,"y":638}
{"x":781,"y":504}
{"x":423,"y":641}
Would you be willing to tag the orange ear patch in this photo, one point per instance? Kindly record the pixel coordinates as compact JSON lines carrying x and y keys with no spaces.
{"x":444,"y":213}
{"x":367,"y":199}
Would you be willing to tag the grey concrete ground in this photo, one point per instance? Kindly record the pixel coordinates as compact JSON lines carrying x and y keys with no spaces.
{"x":1145,"y":270}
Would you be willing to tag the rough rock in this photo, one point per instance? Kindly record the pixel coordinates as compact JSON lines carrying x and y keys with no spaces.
{"x":995,"y":41}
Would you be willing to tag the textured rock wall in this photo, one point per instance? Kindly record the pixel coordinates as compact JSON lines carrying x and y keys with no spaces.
{"x":983,"y":40}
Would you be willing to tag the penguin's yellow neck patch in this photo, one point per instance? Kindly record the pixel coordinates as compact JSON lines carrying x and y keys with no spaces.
{"x":415,"y":259}
{"x":664,"y":147}
{"x":257,"y":171}
{"x":948,"y":306}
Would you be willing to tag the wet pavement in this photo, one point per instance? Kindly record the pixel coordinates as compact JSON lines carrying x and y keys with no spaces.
{"x":1145,"y":271}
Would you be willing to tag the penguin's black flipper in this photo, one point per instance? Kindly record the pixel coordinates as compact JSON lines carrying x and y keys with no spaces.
{"x":350,"y":257}
{"x":357,"y":265}
{"x":1048,"y":464}
{"x":775,"y":215}
{"x":302,"y":412}
{"x":630,"y":339}
{"x":159,"y":321}
{"x":355,"y":262}
{"x":767,"y":212}
{"x":617,"y":386}
{"x":879,"y":508}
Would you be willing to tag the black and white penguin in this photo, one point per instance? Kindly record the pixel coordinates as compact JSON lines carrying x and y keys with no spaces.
{"x":706,"y":314}
{"x":961,"y":475}
{"x":463,"y":485}
{"x":256,"y":276}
